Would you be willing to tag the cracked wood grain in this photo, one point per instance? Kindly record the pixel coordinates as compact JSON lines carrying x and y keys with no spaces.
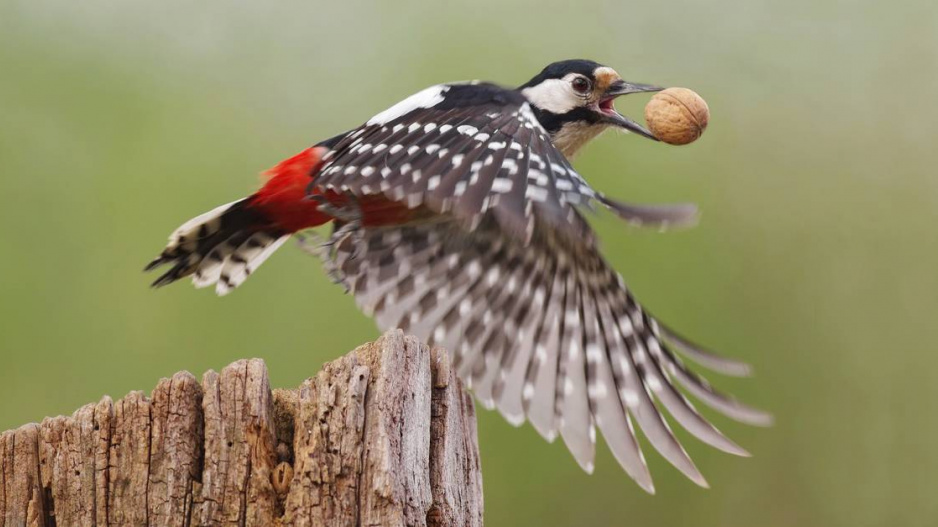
{"x":175,"y":450}
{"x":455,"y":468}
{"x":382,"y":436}
{"x":21,"y":496}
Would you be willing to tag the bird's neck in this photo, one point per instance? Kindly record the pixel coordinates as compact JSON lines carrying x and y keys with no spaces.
{"x":573,"y":136}
{"x":571,"y":131}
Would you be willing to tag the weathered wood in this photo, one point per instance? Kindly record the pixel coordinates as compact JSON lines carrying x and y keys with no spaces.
{"x":327,"y":446}
{"x":129,"y":461}
{"x":395,"y":483}
{"x":21,"y":492}
{"x":382,"y":436}
{"x":73,"y":457}
{"x":175,"y":449}
{"x":239,"y":447}
{"x":454,"y":456}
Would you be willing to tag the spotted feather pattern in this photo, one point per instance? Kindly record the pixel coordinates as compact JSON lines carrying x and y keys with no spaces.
{"x":546,"y":332}
{"x":476,"y":148}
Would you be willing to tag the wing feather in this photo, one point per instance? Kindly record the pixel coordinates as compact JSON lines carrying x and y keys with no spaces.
{"x":611,"y":415}
{"x":507,"y":276}
{"x":574,"y":413}
{"x":546,"y":332}
{"x":538,"y":393}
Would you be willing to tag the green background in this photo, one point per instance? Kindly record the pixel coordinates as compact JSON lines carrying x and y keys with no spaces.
{"x":815,"y":259}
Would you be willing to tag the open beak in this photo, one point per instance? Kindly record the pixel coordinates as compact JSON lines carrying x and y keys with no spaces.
{"x":606,"y":108}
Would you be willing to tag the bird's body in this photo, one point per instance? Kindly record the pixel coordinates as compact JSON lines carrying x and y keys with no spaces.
{"x":458,"y":219}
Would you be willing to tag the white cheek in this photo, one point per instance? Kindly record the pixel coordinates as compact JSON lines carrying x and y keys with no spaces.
{"x":553,"y":95}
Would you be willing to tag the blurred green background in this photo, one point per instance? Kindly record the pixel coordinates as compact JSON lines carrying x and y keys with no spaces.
{"x":815,"y":259}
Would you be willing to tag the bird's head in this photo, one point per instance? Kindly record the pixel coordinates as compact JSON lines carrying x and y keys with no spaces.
{"x":573,"y":100}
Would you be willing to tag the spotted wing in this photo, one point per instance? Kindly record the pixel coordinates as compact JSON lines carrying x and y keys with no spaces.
{"x":466,"y":149}
{"x":546,"y":332}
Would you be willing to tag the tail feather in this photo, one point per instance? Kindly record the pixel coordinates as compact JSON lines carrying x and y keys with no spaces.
{"x":221,"y":247}
{"x":246,"y":259}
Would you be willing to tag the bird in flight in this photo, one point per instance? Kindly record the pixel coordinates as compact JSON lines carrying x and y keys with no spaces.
{"x":457,"y":217}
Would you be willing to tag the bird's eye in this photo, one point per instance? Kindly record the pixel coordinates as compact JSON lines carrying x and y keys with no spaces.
{"x":581,"y":85}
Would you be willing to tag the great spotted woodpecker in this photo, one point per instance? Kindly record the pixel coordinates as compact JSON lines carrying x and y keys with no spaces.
{"x":458,"y":218}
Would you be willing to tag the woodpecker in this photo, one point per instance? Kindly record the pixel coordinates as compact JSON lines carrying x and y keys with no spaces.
{"x":457,"y":217}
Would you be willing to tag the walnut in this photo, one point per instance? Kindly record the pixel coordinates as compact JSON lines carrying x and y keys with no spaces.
{"x":677,"y":116}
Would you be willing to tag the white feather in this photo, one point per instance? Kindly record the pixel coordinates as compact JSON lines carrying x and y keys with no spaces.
{"x":252,"y":254}
{"x":192,"y":226}
{"x":423,"y":99}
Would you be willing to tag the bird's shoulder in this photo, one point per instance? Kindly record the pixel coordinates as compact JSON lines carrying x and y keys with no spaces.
{"x":444,"y":98}
{"x":479,"y":93}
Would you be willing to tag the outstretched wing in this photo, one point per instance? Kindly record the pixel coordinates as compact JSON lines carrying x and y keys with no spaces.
{"x":465,"y":150}
{"x":546,"y":332}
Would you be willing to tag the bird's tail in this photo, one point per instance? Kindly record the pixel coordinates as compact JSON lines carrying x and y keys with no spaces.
{"x":221,"y":247}
{"x":225,"y":245}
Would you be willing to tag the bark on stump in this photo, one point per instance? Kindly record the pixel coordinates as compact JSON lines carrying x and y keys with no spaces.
{"x":383,"y":436}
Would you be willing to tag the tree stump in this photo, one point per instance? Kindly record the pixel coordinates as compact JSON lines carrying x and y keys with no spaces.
{"x":383,"y":436}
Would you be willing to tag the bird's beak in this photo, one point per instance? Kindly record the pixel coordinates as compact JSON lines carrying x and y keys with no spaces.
{"x":606,"y":108}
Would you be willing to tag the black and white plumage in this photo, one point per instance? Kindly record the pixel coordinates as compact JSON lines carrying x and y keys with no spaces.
{"x":466,"y":149}
{"x":219,"y":248}
{"x":494,"y":260}
{"x":545,"y":331}
{"x":506,"y":274}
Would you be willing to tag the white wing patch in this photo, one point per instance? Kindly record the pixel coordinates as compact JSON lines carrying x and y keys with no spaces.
{"x":423,"y":99}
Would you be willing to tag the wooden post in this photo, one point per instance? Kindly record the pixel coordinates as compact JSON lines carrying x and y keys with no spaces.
{"x":382,"y":436}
